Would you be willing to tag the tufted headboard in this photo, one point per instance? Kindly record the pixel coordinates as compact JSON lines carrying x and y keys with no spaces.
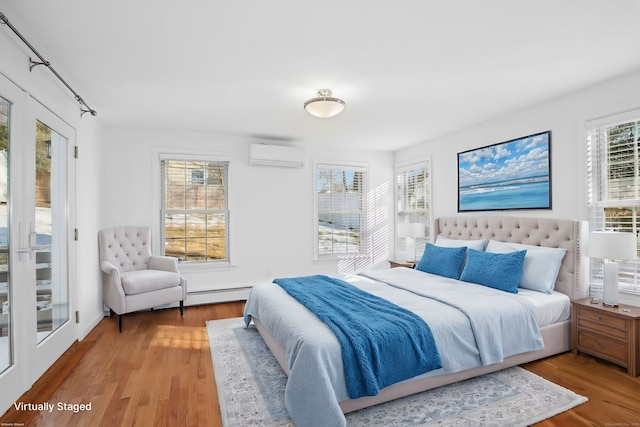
{"x":554,"y":233}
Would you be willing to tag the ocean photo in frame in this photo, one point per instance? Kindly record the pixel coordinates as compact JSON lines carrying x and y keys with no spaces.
{"x":514,"y":174}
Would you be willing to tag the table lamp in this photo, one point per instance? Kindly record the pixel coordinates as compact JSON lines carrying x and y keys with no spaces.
{"x":411,"y":231}
{"x":611,"y":246}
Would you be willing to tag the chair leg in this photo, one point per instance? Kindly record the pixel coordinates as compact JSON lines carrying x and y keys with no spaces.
{"x":181,"y":308}
{"x":120,"y":322}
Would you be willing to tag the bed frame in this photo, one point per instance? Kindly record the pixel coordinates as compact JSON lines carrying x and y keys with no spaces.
{"x":568,"y":234}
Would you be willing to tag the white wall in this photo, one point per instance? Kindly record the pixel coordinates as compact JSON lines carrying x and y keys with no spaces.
{"x":564,"y":116}
{"x":272,"y":210}
{"x":88,"y":214}
{"x":42,"y":85}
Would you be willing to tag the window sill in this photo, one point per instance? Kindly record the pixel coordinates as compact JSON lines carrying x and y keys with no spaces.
{"x":631,"y":299}
{"x":340,"y":257}
{"x":199,"y":267}
{"x":624,"y":296}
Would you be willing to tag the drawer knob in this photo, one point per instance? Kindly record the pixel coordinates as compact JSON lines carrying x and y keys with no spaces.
{"x":600,"y":345}
{"x":599,"y":317}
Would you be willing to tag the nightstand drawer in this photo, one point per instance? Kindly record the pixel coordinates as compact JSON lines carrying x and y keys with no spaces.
{"x":604,"y":347}
{"x":602,"y":317}
{"x":600,"y":321}
{"x":599,"y":326}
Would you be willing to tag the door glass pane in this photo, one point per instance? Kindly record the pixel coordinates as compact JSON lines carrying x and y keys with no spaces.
{"x":49,"y":236}
{"x":5,"y":283}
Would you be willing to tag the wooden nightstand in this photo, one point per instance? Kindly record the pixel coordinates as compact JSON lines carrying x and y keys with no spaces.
{"x":408,"y":264}
{"x":610,"y":333}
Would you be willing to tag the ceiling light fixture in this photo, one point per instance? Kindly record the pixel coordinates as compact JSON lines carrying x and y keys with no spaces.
{"x":324,"y":105}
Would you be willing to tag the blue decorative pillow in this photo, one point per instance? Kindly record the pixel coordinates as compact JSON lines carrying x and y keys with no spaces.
{"x":442,"y":261}
{"x":499,"y":271}
{"x":541,"y":265}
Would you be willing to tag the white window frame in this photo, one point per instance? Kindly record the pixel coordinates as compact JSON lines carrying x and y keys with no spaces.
{"x":160,"y":154}
{"x":346,"y":166}
{"x":598,"y":200}
{"x":405,"y":213}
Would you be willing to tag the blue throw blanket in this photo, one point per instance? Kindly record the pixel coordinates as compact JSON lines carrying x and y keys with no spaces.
{"x":381,"y":343}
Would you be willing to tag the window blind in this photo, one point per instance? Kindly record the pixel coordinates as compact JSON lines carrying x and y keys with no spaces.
{"x":340,"y":209}
{"x":413,"y":203}
{"x":194,"y":211}
{"x":613,"y":153}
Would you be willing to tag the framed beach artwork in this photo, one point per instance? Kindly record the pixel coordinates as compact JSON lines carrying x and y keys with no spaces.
{"x":514,"y":174}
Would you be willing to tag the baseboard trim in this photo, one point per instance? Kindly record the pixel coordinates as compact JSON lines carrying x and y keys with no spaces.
{"x":212,"y":297}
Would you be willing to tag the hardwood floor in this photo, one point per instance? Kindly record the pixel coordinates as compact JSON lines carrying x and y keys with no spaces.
{"x":614,"y":396}
{"x":158,"y":372}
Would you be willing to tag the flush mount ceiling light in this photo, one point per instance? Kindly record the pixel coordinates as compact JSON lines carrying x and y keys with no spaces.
{"x":324,"y":105}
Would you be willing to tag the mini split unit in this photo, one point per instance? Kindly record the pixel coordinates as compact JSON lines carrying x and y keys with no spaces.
{"x":276,"y":156}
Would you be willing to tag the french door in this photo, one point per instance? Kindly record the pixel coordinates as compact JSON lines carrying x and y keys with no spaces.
{"x":37,"y":291}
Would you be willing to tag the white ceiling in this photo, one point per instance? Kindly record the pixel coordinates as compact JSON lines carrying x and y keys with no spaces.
{"x":408,"y":70}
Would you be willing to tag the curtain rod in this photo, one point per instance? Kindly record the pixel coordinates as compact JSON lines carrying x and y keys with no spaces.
{"x":47,"y":64}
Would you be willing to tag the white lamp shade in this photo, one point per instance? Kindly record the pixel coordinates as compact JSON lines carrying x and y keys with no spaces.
{"x":612,"y":245}
{"x":410,"y":229}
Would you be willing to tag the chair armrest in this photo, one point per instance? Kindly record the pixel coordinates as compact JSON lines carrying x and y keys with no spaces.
{"x":108,"y":267}
{"x":113,"y":293}
{"x":165,"y":263}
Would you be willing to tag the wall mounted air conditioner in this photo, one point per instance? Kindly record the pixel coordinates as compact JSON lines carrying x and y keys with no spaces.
{"x":277,"y":156}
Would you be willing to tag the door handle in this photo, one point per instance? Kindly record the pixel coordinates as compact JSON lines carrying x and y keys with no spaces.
{"x":33,"y":239}
{"x":32,"y":248}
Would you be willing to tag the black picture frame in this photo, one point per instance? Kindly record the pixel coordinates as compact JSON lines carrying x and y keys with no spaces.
{"x":509,"y":175}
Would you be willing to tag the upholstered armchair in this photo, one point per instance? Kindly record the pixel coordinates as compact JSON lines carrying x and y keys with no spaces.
{"x":133,"y":278}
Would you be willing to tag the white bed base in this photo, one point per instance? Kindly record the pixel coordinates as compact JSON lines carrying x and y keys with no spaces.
{"x":567,"y":234}
{"x":556,"y":337}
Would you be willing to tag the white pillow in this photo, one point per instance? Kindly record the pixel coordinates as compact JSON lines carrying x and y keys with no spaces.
{"x":446,"y":242}
{"x":541,"y":265}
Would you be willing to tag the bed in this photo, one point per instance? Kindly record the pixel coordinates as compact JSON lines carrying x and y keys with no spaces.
{"x":306,"y":349}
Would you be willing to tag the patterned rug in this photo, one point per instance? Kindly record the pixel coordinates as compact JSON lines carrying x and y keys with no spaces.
{"x":251,"y":386}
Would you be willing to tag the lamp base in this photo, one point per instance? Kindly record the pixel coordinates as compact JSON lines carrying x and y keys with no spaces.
{"x":411,"y":248}
{"x":610,"y":284}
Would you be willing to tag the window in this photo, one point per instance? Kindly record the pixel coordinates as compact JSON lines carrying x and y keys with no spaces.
{"x":413,"y":188}
{"x":340,"y":210}
{"x":195,"y":216}
{"x":613,"y":145}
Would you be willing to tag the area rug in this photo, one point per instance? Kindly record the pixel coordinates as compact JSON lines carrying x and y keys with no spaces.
{"x":251,"y":385}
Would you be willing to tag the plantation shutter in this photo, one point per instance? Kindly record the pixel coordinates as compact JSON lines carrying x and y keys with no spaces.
{"x":613,"y":150}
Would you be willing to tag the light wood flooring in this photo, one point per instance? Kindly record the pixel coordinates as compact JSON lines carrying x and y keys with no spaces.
{"x":158,"y":372}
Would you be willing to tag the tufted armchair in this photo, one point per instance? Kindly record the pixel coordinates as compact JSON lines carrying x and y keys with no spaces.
{"x":133,"y":278}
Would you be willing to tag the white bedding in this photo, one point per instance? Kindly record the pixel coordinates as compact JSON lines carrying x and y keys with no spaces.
{"x":289,"y":323}
{"x":549,"y":308}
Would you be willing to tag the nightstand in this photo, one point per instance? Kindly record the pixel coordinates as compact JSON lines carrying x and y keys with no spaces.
{"x":408,"y":264}
{"x":610,"y":333}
